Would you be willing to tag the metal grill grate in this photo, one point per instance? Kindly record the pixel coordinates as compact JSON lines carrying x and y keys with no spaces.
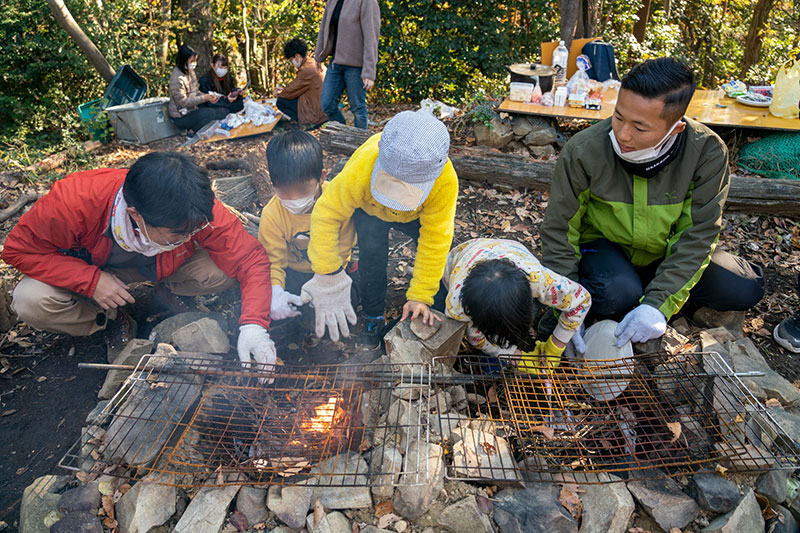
{"x":192,"y":421}
{"x":648,"y":417}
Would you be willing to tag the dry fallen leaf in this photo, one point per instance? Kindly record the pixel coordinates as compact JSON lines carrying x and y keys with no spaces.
{"x":491,"y":394}
{"x":675,"y":428}
{"x":772,"y":402}
{"x":319,"y":512}
{"x":239,"y":521}
{"x":21,"y":470}
{"x":125,"y":487}
{"x":548,"y":432}
{"x":8,"y":412}
{"x":260,"y":526}
{"x":108,"y":506}
{"x":109,"y":522}
{"x":384,"y":508}
{"x":721,"y":470}
{"x":674,"y":530}
{"x":571,"y":501}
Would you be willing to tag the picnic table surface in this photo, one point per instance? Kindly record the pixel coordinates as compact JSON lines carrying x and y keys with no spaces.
{"x":706,"y":107}
{"x":247,"y":129}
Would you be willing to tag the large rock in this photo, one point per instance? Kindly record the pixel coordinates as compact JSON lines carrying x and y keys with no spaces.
{"x":607,"y":507}
{"x":464,"y":516}
{"x":714,"y":493}
{"x":404,"y":346}
{"x":482,"y":454}
{"x":496,"y":135}
{"x":400,"y":423}
{"x":207,"y":510}
{"x":162,"y":332}
{"x":772,"y":484}
{"x":84,"y":498}
{"x":290,"y":504}
{"x":40,"y":499}
{"x":145,"y":506}
{"x":745,"y":517}
{"x":412,"y":501}
{"x":78,"y":522}
{"x":202,"y":336}
{"x":444,"y":424}
{"x":334,"y":522}
{"x":541,"y":151}
{"x":746,"y":357}
{"x":733,"y":321}
{"x":252,"y":503}
{"x":664,"y":500}
{"x":130,"y":355}
{"x":532,"y":510}
{"x":385,"y":466}
{"x":785,"y":522}
{"x":343,"y":473}
{"x":541,"y":137}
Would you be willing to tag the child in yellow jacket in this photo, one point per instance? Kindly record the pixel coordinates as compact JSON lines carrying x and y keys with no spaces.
{"x":399,"y":179}
{"x":294,"y":160}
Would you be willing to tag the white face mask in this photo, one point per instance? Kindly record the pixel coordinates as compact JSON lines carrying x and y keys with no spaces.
{"x":297,"y":62}
{"x":144,"y":238}
{"x":300,"y":206}
{"x":645,"y":155}
{"x":221,"y":71}
{"x":191,"y":66}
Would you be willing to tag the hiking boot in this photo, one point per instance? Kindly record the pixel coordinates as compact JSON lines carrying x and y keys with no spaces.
{"x":118,"y":333}
{"x":787,"y":333}
{"x":165,"y":299}
{"x":375,"y":328}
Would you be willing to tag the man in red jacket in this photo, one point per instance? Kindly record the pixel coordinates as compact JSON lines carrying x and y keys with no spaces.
{"x":98,"y":230}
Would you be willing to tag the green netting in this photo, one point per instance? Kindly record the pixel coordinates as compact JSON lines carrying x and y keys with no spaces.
{"x":776,"y":156}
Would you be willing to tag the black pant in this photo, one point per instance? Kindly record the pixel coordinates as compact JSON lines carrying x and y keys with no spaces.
{"x":200,"y":117}
{"x":223,"y":103}
{"x":287,"y":107}
{"x":729,"y":283}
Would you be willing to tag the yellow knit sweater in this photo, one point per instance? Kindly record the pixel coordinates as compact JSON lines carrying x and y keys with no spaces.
{"x":350,"y":190}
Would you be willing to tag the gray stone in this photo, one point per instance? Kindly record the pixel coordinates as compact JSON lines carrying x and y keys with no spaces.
{"x":447,"y":339}
{"x":772,"y":484}
{"x":162,"y":332}
{"x":541,"y":137}
{"x":334,"y":522}
{"x":745,"y":517}
{"x":385,"y":465}
{"x":522,"y":126}
{"x":202,"y":336}
{"x":458,"y":397}
{"x":290,"y":504}
{"x":82,"y":498}
{"x":78,"y":522}
{"x":145,"y":506}
{"x":681,"y":325}
{"x":788,"y":426}
{"x":440,"y":402}
{"x":746,"y":357}
{"x":130,"y":355}
{"x":470,"y":457}
{"x":714,"y":493}
{"x":712,"y":341}
{"x":400,"y":423}
{"x":373,"y":529}
{"x":465,"y":517}
{"x":532,"y":510}
{"x":207,"y":510}
{"x":412,"y":501}
{"x":444,"y":424}
{"x":252,"y":503}
{"x":733,"y":321}
{"x":607,"y":507}
{"x":95,"y":416}
{"x":40,"y":499}
{"x":785,"y":522}
{"x":425,"y":331}
{"x":542,"y":151}
{"x":404,"y":347}
{"x":344,"y":469}
{"x":496,"y":135}
{"x":283,"y":529}
{"x":665,"y":502}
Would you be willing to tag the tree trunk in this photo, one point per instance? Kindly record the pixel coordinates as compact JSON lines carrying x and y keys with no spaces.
{"x":65,"y":20}
{"x":165,"y":17}
{"x":7,"y":317}
{"x":640,"y":27}
{"x":750,"y":195}
{"x":591,"y":12}
{"x":570,"y":9}
{"x":199,"y":33}
{"x":753,"y":41}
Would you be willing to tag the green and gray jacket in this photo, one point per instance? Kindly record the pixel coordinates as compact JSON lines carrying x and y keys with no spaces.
{"x":675,"y":215}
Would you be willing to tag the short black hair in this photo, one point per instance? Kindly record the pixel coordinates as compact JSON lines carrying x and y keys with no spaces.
{"x":221,"y":58}
{"x":497,"y":298}
{"x":185,"y":53}
{"x":294,"y":157}
{"x":295,"y":46}
{"x":666,"y":78}
{"x":170,"y":191}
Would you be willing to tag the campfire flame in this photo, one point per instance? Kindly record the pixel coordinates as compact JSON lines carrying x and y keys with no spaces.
{"x":325,"y":416}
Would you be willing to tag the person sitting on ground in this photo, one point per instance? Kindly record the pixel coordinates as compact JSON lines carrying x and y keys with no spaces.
{"x":401,"y":179}
{"x":185,"y":96}
{"x":787,"y":332}
{"x":635,"y":209}
{"x":219,"y":80}
{"x":294,"y":160}
{"x":299,"y":100}
{"x":491,"y":284}
{"x":96,"y":231}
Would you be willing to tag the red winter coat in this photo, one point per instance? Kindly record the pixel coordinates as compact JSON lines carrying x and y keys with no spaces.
{"x":74,"y":216}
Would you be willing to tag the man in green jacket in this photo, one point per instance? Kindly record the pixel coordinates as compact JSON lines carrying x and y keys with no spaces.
{"x":635,"y":210}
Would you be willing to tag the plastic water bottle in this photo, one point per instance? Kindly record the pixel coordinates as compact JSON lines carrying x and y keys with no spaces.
{"x":560,"y":56}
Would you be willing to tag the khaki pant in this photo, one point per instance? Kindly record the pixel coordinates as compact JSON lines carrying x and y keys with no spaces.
{"x":49,"y":308}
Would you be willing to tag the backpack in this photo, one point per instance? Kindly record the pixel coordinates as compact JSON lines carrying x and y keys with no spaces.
{"x":601,"y":57}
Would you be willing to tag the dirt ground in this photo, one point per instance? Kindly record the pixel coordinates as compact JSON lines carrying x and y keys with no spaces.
{"x":44,"y":397}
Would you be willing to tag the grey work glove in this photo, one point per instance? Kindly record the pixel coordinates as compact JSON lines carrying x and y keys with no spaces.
{"x":330,"y":296}
{"x":254,"y":343}
{"x":645,"y":322}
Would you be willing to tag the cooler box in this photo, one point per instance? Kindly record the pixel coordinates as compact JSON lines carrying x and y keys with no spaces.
{"x":87,"y":112}
{"x":125,"y":87}
{"x":143,"y":121}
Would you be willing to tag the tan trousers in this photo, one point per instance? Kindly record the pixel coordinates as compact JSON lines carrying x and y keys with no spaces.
{"x":49,"y":308}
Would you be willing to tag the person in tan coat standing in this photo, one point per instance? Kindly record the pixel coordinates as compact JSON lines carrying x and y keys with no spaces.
{"x":300,"y":99}
{"x":185,"y":95}
{"x":349,"y":36}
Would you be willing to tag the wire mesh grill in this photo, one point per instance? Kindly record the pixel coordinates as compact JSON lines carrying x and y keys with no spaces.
{"x":192,"y":421}
{"x":652,"y":416}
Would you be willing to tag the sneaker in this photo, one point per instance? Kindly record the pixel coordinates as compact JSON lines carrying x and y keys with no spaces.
{"x":165,"y":299}
{"x":118,"y":333}
{"x":787,"y":333}
{"x":375,"y":328}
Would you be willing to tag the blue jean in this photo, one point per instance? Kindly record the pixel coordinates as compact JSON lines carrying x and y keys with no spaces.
{"x":337,"y":79}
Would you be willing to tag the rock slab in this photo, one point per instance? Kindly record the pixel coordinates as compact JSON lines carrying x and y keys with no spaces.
{"x":714,"y":493}
{"x":664,"y":500}
{"x":745,"y":517}
{"x":202,"y":336}
{"x":334,"y":522}
{"x":78,"y":522}
{"x":607,"y":508}
{"x":252,"y":503}
{"x":207,"y":510}
{"x":532,"y":510}
{"x":465,"y":517}
{"x":39,"y":499}
{"x":772,"y":484}
{"x":290,"y":504}
{"x":145,"y":506}
{"x":348,"y":470}
{"x":84,"y":498}
{"x":130,"y":355}
{"x":412,"y":501}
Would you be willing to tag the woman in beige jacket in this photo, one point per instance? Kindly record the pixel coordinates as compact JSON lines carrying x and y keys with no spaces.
{"x":185,"y":95}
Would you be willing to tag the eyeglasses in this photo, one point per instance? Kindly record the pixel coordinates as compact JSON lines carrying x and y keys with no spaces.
{"x":180,"y":241}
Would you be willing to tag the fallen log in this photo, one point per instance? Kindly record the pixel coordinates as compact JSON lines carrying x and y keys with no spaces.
{"x":237,"y":191}
{"x":481,"y":165}
{"x":18,"y":204}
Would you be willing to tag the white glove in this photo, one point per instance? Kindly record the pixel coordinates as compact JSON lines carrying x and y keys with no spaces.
{"x":640,"y":325}
{"x":283,"y":304}
{"x":254,"y":341}
{"x":330,"y":296}
{"x":577,"y":342}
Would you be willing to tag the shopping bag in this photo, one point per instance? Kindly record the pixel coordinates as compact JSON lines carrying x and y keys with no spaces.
{"x":786,"y":95}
